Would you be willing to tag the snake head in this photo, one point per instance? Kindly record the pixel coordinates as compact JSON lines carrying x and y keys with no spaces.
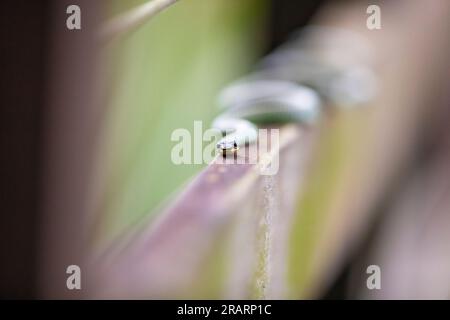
{"x":227,"y":145}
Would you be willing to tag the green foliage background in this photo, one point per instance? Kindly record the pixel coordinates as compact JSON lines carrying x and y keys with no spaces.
{"x":163,"y":76}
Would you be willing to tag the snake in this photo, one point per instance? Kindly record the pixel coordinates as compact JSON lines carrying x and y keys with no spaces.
{"x":294,"y":84}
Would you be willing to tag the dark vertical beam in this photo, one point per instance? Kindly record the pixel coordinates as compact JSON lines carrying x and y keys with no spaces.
{"x":48,"y":122}
{"x":23,"y":48}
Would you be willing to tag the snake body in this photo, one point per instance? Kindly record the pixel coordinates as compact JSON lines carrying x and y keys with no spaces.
{"x":252,"y":103}
{"x":294,"y":83}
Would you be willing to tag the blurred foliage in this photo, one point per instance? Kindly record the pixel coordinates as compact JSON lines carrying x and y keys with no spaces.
{"x":163,"y":76}
{"x":336,"y":154}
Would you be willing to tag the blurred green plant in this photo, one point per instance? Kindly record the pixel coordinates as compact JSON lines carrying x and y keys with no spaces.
{"x":163,"y":76}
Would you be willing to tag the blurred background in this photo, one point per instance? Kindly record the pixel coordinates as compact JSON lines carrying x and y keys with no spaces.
{"x":87,"y":177}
